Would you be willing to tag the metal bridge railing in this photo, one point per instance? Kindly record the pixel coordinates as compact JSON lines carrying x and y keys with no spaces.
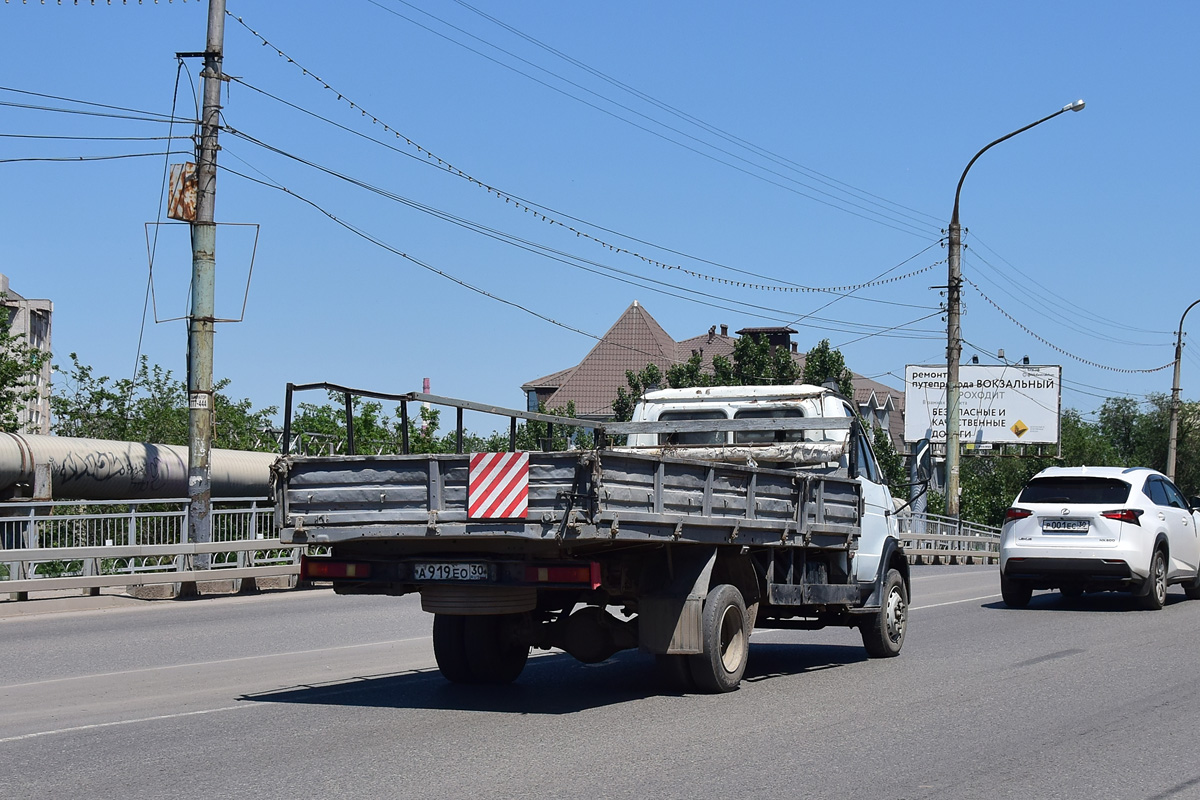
{"x":94,"y":544}
{"x":932,"y":538}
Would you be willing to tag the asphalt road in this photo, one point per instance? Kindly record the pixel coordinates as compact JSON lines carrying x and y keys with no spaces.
{"x":305,"y":694}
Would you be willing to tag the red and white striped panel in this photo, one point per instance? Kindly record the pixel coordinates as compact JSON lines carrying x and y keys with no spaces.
{"x":498,"y":486}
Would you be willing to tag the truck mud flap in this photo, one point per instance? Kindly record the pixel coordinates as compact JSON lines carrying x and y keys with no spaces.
{"x":671,"y":621}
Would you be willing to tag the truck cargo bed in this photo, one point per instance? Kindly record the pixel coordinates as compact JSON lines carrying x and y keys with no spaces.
{"x":575,"y":498}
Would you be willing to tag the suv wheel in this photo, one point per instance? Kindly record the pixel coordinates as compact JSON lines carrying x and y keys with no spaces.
{"x":1015,"y":593}
{"x":1154,"y":594}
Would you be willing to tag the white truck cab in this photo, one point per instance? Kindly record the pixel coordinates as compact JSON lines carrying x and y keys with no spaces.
{"x":815,"y":449}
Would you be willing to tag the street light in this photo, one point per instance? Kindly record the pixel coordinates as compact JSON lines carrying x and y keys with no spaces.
{"x":1173,"y":435}
{"x":954,"y":325}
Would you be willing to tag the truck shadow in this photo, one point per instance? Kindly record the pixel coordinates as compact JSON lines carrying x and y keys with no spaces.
{"x":551,"y":684}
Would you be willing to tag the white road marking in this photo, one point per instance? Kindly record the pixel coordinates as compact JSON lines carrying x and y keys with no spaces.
{"x":955,"y":602}
{"x":78,"y":728}
{"x":212,"y":663}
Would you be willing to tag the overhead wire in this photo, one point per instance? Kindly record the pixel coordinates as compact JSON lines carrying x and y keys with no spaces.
{"x":91,"y":103}
{"x":552,"y":253}
{"x":90,"y":138}
{"x":153,"y":250}
{"x":1054,"y":313}
{"x":429,"y":267}
{"x":83,"y":113}
{"x":1068,"y":305}
{"x":539,"y":212}
{"x":801,"y":318}
{"x":1055,"y":347}
{"x":911,"y":230}
{"x":77,"y":159}
{"x":1067,"y":384}
{"x":729,"y":137}
{"x":885,"y":213}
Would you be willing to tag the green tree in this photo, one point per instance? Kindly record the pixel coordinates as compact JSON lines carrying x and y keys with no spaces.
{"x":322,"y":428}
{"x":823,"y":363}
{"x":990,"y":484}
{"x":648,"y":379}
{"x":1084,"y":443}
{"x":754,"y":363}
{"x":689,"y":373}
{"x":891,"y":462}
{"x":150,"y":407}
{"x":19,"y":367}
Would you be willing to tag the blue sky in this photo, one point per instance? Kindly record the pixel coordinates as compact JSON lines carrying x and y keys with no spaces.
{"x":781,"y":144}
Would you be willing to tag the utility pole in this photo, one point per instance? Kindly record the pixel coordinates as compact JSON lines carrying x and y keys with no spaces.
{"x":1173,"y":432}
{"x":201,"y":320}
{"x":954,"y":321}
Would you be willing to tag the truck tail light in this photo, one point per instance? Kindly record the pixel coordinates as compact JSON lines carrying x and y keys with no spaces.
{"x":1016,"y":513}
{"x":324,"y":569}
{"x":588,"y":573}
{"x":1130,"y":515}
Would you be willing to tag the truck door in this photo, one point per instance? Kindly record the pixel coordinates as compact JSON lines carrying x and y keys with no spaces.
{"x":879,"y":521}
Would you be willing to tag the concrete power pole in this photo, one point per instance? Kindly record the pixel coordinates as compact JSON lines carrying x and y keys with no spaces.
{"x":954,"y":321}
{"x":200,"y":323}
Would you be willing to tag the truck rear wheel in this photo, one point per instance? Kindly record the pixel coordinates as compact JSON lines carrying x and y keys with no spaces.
{"x":883,"y":632}
{"x":478,"y":649}
{"x":449,"y":647}
{"x":719,"y":668}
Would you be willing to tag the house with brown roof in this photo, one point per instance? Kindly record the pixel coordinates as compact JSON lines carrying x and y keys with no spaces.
{"x":636,"y":339}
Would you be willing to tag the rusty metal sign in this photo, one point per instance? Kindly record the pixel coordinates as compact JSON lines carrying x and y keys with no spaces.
{"x":181,"y":199}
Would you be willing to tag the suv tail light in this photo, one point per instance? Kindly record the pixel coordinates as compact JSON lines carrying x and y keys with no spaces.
{"x":1130,"y":515}
{"x":1016,"y":513}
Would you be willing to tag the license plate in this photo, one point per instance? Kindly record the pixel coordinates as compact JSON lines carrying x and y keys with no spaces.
{"x":1065,"y":526}
{"x":449,"y":571}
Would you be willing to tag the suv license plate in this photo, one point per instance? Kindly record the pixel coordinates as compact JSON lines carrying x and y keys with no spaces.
{"x":449,"y":571}
{"x":1064,"y":526}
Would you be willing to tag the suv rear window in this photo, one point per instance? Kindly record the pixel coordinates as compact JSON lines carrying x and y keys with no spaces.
{"x":1080,"y":490}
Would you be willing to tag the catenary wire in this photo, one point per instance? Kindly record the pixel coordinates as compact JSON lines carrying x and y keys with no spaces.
{"x":530,"y":246}
{"x":1067,"y":303}
{"x":82,"y":102}
{"x":885,"y":212}
{"x":383,"y":245}
{"x":154,"y":245}
{"x":1055,"y":347}
{"x":1052,"y":313}
{"x":539,"y":212}
{"x":729,"y":137}
{"x":908,"y":229}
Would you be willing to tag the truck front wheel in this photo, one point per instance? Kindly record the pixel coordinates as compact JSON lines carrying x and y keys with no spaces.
{"x":478,"y":649}
{"x":719,"y":668}
{"x":883,"y":632}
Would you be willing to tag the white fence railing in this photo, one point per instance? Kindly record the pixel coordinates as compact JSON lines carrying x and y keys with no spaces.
{"x":933,"y":539}
{"x":89,"y":545}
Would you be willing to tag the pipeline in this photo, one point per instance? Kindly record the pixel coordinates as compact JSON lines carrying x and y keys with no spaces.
{"x":98,"y":469}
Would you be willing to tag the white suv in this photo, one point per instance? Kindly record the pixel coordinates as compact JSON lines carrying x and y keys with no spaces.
{"x":1080,"y":529}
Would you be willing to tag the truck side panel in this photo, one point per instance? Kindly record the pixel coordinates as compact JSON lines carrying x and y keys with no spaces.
{"x":573,"y":496}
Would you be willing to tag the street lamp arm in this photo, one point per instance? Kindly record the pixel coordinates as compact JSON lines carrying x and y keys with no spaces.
{"x":1076,"y":106}
{"x":1173,"y":425}
{"x":1179,"y":330}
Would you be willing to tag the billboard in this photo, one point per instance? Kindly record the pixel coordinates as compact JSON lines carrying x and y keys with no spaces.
{"x":1011,"y":404}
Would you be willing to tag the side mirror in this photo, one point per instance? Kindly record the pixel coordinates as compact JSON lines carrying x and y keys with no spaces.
{"x":1195,"y":502}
